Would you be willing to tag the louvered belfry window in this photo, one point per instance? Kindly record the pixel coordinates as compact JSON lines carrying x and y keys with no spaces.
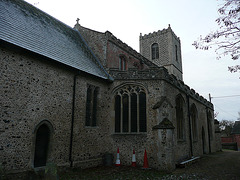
{"x":91,"y":106}
{"x":130,"y":110}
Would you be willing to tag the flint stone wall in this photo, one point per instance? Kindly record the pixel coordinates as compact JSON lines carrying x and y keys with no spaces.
{"x":156,"y":90}
{"x":33,"y":90}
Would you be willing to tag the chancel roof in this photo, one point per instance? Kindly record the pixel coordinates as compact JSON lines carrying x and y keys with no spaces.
{"x":24,"y":25}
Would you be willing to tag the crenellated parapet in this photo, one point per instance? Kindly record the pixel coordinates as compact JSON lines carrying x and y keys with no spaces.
{"x":159,"y":32}
{"x":187,"y":90}
{"x":159,"y":73}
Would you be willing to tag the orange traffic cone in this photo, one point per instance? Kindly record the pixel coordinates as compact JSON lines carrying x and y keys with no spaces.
{"x":134,"y":159}
{"x":145,"y":163}
{"x":118,"y":163}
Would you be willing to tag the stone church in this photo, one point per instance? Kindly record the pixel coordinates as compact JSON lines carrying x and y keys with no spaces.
{"x":71,"y":95}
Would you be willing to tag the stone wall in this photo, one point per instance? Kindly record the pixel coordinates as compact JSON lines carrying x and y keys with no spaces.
{"x":108,"y":49}
{"x":161,"y":88}
{"x":157,"y":90}
{"x":91,"y":143}
{"x":96,"y":40}
{"x":162,"y":38}
{"x":35,"y":91}
{"x":167,"y":41}
{"x":113,"y":56}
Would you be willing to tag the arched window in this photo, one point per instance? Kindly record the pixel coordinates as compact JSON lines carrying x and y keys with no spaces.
{"x":122,"y":63}
{"x":130,"y":110}
{"x":193,"y":116}
{"x":180,"y":117}
{"x":91,"y":106}
{"x":155,"y":51}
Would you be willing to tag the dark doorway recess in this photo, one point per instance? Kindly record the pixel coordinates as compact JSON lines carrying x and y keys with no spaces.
{"x":41,"y":146}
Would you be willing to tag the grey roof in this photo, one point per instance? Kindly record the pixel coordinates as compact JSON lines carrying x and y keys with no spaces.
{"x":236,"y":128}
{"x":24,"y":25}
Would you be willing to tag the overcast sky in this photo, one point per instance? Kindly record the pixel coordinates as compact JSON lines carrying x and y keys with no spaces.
{"x":189,"y":19}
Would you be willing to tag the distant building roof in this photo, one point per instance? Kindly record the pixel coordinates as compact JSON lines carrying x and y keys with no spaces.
{"x":24,"y":25}
{"x":236,"y":128}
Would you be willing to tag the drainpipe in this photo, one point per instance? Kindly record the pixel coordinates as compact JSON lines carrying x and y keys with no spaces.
{"x":72,"y":122}
{"x":190,"y":127}
{"x":209,"y":139}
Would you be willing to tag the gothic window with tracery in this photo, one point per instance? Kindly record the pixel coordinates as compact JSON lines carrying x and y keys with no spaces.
{"x":155,"y":51}
{"x":91,"y":106}
{"x":122,"y":63}
{"x":130,"y":110}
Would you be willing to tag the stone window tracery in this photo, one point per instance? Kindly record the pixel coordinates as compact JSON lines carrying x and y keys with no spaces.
{"x":155,"y":51}
{"x":130,"y":110}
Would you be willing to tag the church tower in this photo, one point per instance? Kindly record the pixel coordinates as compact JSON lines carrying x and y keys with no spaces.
{"x":163,"y":48}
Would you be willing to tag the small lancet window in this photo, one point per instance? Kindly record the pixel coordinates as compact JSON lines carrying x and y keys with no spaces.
{"x":155,"y":51}
{"x":122,"y":63}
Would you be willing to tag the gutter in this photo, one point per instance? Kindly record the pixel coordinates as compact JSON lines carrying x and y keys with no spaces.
{"x":190,"y":127}
{"x":209,"y":139}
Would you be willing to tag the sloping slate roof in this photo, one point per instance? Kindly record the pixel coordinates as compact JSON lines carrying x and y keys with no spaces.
{"x":236,"y":128}
{"x":30,"y":28}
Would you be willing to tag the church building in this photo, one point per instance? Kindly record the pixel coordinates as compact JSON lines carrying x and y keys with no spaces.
{"x":71,"y":95}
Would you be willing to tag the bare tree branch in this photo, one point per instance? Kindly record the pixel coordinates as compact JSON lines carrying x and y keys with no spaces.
{"x":225,"y":40}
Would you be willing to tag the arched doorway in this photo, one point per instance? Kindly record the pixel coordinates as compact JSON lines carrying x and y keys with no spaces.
{"x":203,"y":141}
{"x":41,"y":145}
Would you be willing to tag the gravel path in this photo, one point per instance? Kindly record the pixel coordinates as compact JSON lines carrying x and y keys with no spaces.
{"x":216,"y":166}
{"x":221,"y":165}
